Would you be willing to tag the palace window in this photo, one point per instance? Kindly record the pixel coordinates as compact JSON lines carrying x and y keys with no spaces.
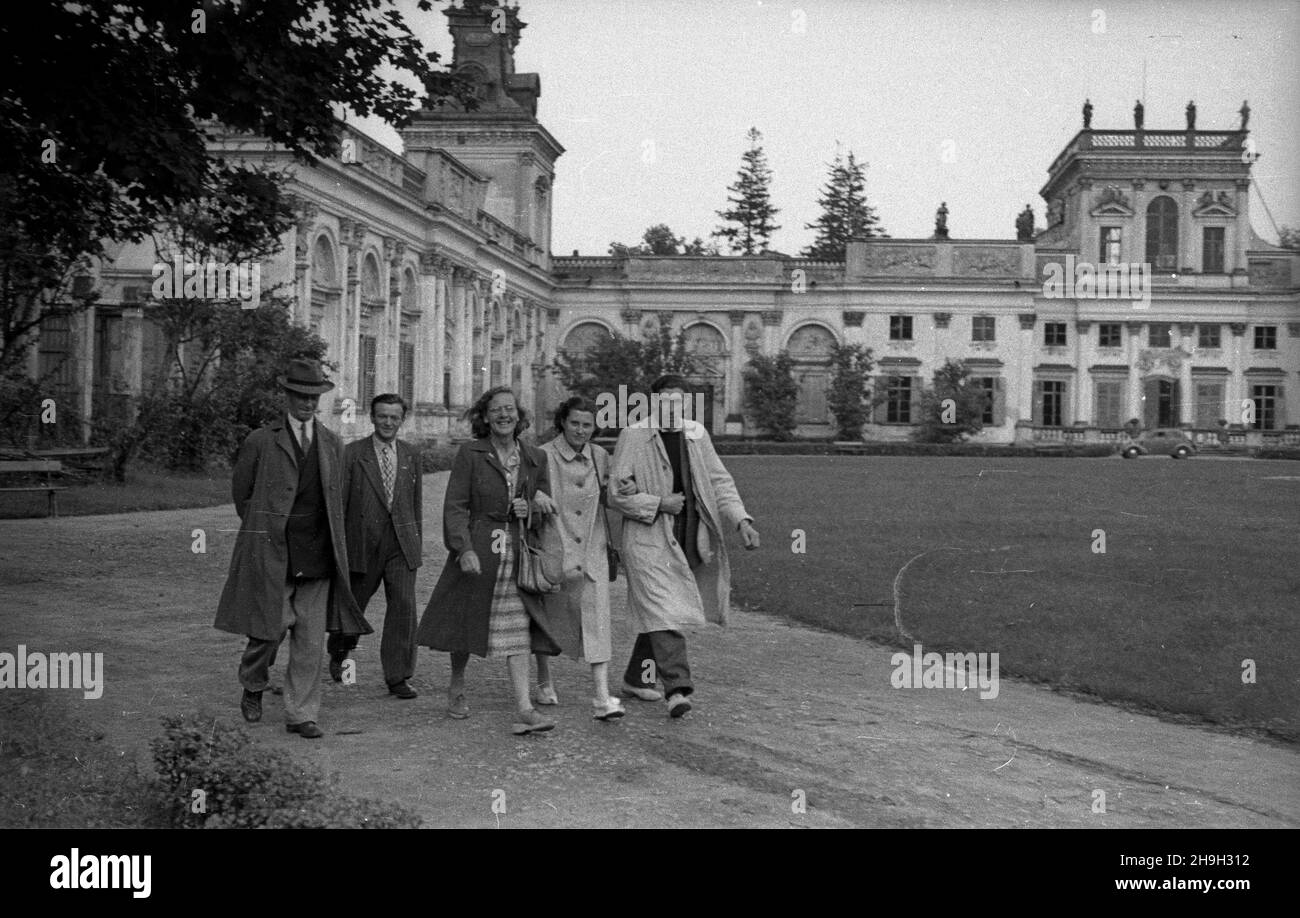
{"x":1208,"y":336}
{"x":366,"y":356}
{"x":1110,"y":245}
{"x":1110,"y":334}
{"x":1209,"y":404}
{"x":1212,"y":250}
{"x":988,"y":386}
{"x":1265,"y":337}
{"x":1158,"y":334}
{"x":1054,"y":334}
{"x":1109,"y":399}
{"x":406,"y":372}
{"x":1267,"y":399}
{"x":1051,"y":402}
{"x":898,"y":404}
{"x":900,"y":328}
{"x":983,"y":328}
{"x":1162,"y":234}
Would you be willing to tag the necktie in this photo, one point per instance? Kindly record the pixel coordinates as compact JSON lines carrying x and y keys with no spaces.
{"x":388,"y":474}
{"x":306,"y":437}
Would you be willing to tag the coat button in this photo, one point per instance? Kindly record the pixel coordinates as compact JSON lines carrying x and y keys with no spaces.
{"x":579,"y":512}
{"x":579,"y":567}
{"x":577,"y":538}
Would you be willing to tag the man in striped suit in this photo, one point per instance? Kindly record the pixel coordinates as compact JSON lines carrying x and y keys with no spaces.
{"x":383,"y":513}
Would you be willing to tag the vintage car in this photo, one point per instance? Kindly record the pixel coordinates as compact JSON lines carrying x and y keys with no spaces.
{"x":1168,"y":441}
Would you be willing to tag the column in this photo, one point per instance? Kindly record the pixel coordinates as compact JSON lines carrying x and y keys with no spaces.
{"x":1186,"y":396}
{"x":772,"y":331}
{"x":1241,"y":229}
{"x":1237,"y":392}
{"x":394,"y":251}
{"x":132,"y":356}
{"x":463,"y":375}
{"x":1084,"y":410}
{"x":1025,"y":368}
{"x":432,"y":334}
{"x":1188,"y":264}
{"x":1134,"y":380}
{"x":86,"y":372}
{"x":735,"y":375}
{"x":304,"y":229}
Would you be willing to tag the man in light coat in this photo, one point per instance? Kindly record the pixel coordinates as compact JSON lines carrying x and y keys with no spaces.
{"x":679,"y":503}
{"x":383,"y":505}
{"x":289,"y":570}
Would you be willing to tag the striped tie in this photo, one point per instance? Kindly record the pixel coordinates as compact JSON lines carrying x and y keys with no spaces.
{"x":388,"y":474}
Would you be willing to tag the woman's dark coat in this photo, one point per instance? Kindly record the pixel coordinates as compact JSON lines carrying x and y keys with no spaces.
{"x":476,"y":506}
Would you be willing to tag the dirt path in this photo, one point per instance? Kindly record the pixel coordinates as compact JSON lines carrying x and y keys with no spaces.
{"x":781,"y":710}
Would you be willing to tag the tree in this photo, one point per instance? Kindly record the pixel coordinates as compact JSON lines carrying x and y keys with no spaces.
{"x":847,"y":396}
{"x":953,"y":408}
{"x":109,"y":108}
{"x":1289,"y":237}
{"x":622,"y":361}
{"x":751,"y":211}
{"x":660,"y":240}
{"x":845,"y":213}
{"x":771,"y":393}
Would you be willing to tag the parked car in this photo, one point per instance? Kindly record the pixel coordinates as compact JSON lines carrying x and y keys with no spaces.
{"x":1162,"y":441}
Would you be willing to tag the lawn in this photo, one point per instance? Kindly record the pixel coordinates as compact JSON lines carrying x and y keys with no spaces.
{"x":1199,"y":574}
{"x":145,"y":489}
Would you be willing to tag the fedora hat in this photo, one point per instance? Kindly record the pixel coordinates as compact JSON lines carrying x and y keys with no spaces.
{"x":305,"y":376}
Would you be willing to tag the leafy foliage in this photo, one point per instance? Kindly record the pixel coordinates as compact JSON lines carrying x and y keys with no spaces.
{"x":845,"y":213}
{"x":109,"y":108}
{"x":622,"y":361}
{"x":952,"y":409}
{"x":660,"y":240}
{"x":751,"y":212}
{"x":771,"y":393}
{"x":246,"y":787}
{"x":1289,"y":237}
{"x":847,"y":396}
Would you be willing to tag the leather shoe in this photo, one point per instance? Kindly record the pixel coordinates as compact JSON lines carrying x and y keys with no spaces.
{"x":251,"y":706}
{"x":307,"y":729}
{"x":402,"y":690}
{"x":336,"y":668}
{"x":645,"y":694}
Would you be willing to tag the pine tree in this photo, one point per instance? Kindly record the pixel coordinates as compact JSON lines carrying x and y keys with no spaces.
{"x":751,"y":211}
{"x":845,"y":212}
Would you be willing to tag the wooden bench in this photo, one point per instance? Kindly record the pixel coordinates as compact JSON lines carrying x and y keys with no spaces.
{"x":36,"y":466}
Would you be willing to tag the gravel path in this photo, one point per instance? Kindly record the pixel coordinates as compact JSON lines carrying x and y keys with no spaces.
{"x":783,"y":714}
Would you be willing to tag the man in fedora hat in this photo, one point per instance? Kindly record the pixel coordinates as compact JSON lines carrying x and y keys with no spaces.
{"x":289,"y":571}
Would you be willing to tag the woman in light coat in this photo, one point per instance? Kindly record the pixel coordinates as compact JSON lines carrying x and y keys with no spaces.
{"x":679,"y":504}
{"x":579,"y":475}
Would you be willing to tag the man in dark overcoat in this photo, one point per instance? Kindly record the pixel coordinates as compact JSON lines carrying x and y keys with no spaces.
{"x":383,"y":507}
{"x":289,"y":570}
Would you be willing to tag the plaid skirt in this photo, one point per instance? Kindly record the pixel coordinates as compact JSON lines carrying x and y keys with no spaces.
{"x":508,"y":625}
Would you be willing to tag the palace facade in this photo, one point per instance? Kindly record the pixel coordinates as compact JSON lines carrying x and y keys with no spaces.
{"x":430,"y":274}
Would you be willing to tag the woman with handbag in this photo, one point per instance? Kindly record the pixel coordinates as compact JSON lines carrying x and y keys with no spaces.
{"x":579,"y":475}
{"x":499,"y":488}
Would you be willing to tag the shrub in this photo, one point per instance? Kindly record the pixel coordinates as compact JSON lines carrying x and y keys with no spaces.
{"x":247,"y":787}
{"x":847,"y":396}
{"x":436,"y":457}
{"x":771,"y":393}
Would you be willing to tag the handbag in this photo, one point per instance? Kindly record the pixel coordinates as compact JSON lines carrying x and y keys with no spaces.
{"x":530,"y":566}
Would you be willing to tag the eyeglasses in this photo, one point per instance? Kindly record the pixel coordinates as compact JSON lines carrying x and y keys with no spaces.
{"x":503,"y":410}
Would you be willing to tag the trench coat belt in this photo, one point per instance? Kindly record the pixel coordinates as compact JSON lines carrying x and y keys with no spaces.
{"x":493,"y":517}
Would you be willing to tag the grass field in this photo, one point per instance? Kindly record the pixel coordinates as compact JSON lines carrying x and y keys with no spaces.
{"x":144,"y":490}
{"x":1200,"y":572}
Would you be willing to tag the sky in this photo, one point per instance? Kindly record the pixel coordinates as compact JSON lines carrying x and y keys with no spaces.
{"x":964,"y":102}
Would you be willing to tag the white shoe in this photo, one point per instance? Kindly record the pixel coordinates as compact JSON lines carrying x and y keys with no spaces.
{"x":607,"y":710}
{"x":645,"y":694}
{"x":545,"y":694}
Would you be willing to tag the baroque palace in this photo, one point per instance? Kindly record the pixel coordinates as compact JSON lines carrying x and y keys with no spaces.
{"x":430,"y":274}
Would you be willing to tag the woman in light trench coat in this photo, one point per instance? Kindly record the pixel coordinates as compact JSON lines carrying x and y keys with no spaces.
{"x":579,"y":475}
{"x":680,"y":504}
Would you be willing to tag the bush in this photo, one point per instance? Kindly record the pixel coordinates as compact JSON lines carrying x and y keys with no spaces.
{"x":247,"y":787}
{"x":771,"y":394}
{"x":847,"y":396}
{"x":436,"y":457}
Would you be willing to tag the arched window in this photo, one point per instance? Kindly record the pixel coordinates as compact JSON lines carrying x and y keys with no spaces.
{"x":583,"y":338}
{"x":1162,"y":234}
